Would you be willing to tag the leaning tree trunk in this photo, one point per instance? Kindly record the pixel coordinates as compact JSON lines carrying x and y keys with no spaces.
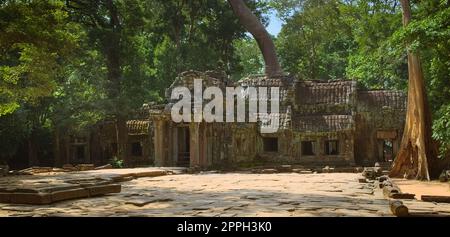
{"x":265,"y":43}
{"x":417,"y":152}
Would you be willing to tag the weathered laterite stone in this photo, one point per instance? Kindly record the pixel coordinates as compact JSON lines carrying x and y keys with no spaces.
{"x":31,"y":198}
{"x":5,"y":197}
{"x":104,"y":189}
{"x":154,"y":173}
{"x":69,"y":194}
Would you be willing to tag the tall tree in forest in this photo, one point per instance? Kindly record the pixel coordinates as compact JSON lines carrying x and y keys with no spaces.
{"x":417,"y":154}
{"x":315,"y":41}
{"x":195,"y":35}
{"x":105,"y":26}
{"x":36,"y":43}
{"x":259,"y":32}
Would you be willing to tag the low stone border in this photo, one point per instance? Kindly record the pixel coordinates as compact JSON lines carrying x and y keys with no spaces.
{"x":393,"y":193}
{"x":390,"y":191}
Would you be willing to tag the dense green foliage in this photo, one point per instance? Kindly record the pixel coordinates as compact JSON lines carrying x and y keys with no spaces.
{"x":69,"y":64}
{"x":365,"y":40}
{"x":65,"y":65}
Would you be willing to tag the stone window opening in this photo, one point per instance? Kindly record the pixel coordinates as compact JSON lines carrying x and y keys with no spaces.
{"x":308,"y":148}
{"x":332,"y":147}
{"x":136,"y":149}
{"x":270,"y":144}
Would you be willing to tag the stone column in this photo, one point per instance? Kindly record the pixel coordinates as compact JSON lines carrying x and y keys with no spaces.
{"x":175,"y":151}
{"x":159,"y":142}
{"x":203,"y":146}
{"x":194,"y":144}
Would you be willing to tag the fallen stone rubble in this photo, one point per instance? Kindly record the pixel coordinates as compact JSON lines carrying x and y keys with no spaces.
{"x":304,"y":170}
{"x":400,"y":202}
{"x":4,"y":170}
{"x":389,"y":190}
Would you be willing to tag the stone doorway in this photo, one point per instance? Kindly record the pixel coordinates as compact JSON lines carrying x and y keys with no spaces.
{"x":388,"y":151}
{"x":183,"y":140}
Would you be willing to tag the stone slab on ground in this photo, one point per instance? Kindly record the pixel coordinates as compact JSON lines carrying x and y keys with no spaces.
{"x":44,"y":188}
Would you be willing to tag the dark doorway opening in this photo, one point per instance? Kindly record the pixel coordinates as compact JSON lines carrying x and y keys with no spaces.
{"x":270,"y":144}
{"x":136,"y":149}
{"x":308,"y":148}
{"x":184,"y":138}
{"x":80,"y":153}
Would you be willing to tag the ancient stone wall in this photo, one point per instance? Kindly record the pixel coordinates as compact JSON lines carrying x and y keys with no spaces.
{"x":321,"y":123}
{"x":380,"y":117}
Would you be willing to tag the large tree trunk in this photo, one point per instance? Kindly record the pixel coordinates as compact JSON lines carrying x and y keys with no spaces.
{"x":112,"y":50}
{"x":417,"y":152}
{"x":122,"y":138}
{"x":265,"y":43}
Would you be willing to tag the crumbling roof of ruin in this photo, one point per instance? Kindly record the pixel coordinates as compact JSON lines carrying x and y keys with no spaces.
{"x":210,"y":78}
{"x":263,"y":80}
{"x":138,"y":127}
{"x":383,"y":99}
{"x":284,"y":119}
{"x":322,"y":123}
{"x":325,"y":92}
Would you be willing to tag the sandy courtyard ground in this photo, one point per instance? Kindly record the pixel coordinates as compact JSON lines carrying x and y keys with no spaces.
{"x":230,"y":194}
{"x":423,"y":188}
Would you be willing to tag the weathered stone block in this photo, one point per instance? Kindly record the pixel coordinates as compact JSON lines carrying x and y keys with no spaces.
{"x":107,"y":166}
{"x":443,"y":177}
{"x":104,"y":189}
{"x":5,"y":197}
{"x":4,"y":169}
{"x":371,"y":173}
{"x":383,"y":178}
{"x":122,"y":178}
{"x":69,"y":194}
{"x":154,"y":173}
{"x":60,"y":187}
{"x":402,"y":195}
{"x":84,"y":167}
{"x":327,"y":169}
{"x":285,"y":168}
{"x":31,"y":198}
{"x":24,"y":190}
{"x":344,"y":170}
{"x":268,"y":171}
{"x":430,"y":198}
{"x":69,"y":167}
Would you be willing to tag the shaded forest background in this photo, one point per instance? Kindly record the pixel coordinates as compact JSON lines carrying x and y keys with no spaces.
{"x":66,"y":65}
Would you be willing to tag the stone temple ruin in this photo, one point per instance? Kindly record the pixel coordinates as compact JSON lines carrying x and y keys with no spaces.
{"x":321,"y":123}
